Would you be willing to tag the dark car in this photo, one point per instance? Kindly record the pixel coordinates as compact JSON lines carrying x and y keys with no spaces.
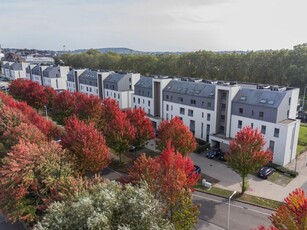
{"x":221,"y":156}
{"x":197,"y":169}
{"x":265,"y":171}
{"x":213,"y":153}
{"x":132,"y":148}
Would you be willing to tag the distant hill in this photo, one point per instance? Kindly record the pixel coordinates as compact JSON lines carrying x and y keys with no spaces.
{"x":123,"y":50}
{"x":120,"y":50}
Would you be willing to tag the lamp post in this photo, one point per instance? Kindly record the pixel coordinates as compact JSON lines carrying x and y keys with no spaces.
{"x":45,"y":106}
{"x":229,"y":208}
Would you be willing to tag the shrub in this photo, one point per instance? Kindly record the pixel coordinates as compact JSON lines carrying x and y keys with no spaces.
{"x":284,"y":170}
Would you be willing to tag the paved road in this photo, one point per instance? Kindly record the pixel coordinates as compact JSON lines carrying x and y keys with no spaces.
{"x":214,"y":213}
{"x":4,"y":225}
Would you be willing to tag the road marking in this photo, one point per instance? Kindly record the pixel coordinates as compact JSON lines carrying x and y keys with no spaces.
{"x":234,"y":205}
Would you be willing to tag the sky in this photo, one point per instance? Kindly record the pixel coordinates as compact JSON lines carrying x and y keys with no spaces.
{"x":153,"y":25}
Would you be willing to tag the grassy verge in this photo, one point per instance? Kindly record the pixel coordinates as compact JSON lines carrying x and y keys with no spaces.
{"x":302,"y":139}
{"x":267,"y":203}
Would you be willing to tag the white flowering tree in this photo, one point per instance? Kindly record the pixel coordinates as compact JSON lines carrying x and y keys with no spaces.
{"x":107,"y":205}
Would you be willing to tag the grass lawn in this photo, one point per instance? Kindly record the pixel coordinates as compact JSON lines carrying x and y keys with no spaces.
{"x":302,"y":139}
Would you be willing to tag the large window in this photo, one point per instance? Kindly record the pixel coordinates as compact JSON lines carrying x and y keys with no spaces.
{"x":261,"y":114}
{"x":190,"y":112}
{"x":272,"y":143}
{"x":239,"y":124}
{"x":193,"y":102}
{"x":182,"y":111}
{"x":276,"y":132}
{"x":263,"y":129}
{"x":208,"y":117}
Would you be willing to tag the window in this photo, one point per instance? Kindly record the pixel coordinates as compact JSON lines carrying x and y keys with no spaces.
{"x":193,"y":102}
{"x":182,"y":111}
{"x":148,"y":111}
{"x":253,"y":113}
{"x":167,"y":116}
{"x":263,"y":129}
{"x":180,"y":118}
{"x":118,"y":96}
{"x":252,"y":125}
{"x":223,"y":106}
{"x":239,"y":124}
{"x":133,"y":99}
{"x":223,"y":95}
{"x":107,"y":86}
{"x":208,"y":117}
{"x":180,"y":99}
{"x":276,"y":132}
{"x":288,"y":113}
{"x":202,"y":114}
{"x":171,"y":108}
{"x":167,"y":97}
{"x":107,"y":93}
{"x":289,"y":100}
{"x":272,"y":143}
{"x":143,"y":101}
{"x":90,"y":89}
{"x":240,"y":110}
{"x":222,"y":117}
{"x":148,"y":102}
{"x":209,"y":105}
{"x":166,"y":107}
{"x":261,"y":114}
{"x":190,"y":112}
{"x":202,"y":130}
{"x":139,"y":101}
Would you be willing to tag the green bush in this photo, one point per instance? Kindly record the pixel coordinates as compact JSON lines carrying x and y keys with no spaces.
{"x":202,"y":148}
{"x":282,"y":169}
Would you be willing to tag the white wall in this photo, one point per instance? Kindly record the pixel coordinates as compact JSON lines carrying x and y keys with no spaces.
{"x":142,"y":102}
{"x":284,"y":148}
{"x":121,"y":97}
{"x":71,"y":87}
{"x":199,"y":116}
{"x":89,"y":89}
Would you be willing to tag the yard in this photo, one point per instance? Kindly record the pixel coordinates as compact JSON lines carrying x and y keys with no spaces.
{"x":302,"y":139}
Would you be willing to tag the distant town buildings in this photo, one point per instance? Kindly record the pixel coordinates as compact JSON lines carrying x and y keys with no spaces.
{"x":214,"y":111}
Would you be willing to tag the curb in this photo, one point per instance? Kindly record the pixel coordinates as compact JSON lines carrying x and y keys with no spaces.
{"x":241,"y":201}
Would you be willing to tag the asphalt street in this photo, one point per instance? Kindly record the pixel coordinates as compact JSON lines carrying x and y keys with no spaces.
{"x":214,"y":213}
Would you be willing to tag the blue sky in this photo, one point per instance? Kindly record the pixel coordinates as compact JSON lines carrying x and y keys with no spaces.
{"x":153,"y":25}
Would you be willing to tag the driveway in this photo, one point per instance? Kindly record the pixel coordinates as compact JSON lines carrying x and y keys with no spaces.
{"x":229,"y":180}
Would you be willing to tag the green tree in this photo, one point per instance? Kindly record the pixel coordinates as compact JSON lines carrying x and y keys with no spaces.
{"x":107,"y":205}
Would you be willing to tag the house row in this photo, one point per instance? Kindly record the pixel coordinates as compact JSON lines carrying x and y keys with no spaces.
{"x":213,"y":111}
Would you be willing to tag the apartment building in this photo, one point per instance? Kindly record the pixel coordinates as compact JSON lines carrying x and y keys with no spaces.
{"x":148,"y":94}
{"x":18,"y":70}
{"x":55,"y":77}
{"x":120,"y":86}
{"x":73,"y":79}
{"x":6,"y":69}
{"x":29,"y":71}
{"x":37,"y":74}
{"x":216,"y":112}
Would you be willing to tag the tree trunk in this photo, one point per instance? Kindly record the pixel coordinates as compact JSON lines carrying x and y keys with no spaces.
{"x":243,"y":184}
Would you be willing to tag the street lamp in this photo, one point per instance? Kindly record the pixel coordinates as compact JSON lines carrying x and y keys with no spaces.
{"x":229,"y":208}
{"x":45,"y":106}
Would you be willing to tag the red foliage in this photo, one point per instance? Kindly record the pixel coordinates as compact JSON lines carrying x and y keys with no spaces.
{"x":64,"y":106}
{"x":88,"y":108}
{"x":29,"y":91}
{"x":32,"y":177}
{"x":143,"y":126}
{"x":23,"y":132}
{"x":167,"y":176}
{"x":50,"y":95}
{"x":87,"y":144}
{"x":180,"y":136}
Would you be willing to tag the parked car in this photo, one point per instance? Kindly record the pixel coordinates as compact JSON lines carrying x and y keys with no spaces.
{"x":197,"y":169}
{"x":265,"y":172}
{"x":213,"y":153}
{"x":221,"y":156}
{"x":132,"y":148}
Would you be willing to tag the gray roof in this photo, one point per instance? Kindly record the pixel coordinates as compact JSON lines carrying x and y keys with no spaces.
{"x":144,"y":82}
{"x":198,"y":89}
{"x":47,"y":71}
{"x":89,"y":74}
{"x":36,"y":70}
{"x":6,"y":65}
{"x":71,"y":76}
{"x":259,"y":97}
{"x":16,"y":66}
{"x":115,"y":77}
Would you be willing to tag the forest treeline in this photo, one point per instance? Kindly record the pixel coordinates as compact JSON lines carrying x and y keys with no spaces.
{"x":287,"y":67}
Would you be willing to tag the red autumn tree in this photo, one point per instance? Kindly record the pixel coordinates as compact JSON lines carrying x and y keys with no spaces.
{"x":29,"y":91}
{"x":50,"y":95}
{"x":246,"y":153}
{"x":170,"y":177}
{"x":109,"y":110}
{"x":142,"y":125}
{"x":32,"y":177}
{"x":64,"y":106}
{"x":179,"y":135}
{"x":292,"y":215}
{"x":119,"y":133}
{"x":23,"y":132}
{"x":86,"y":144}
{"x":88,"y":108}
